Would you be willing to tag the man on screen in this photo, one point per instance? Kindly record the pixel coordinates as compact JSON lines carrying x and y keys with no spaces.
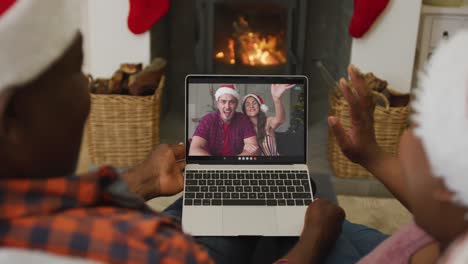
{"x":225,"y":132}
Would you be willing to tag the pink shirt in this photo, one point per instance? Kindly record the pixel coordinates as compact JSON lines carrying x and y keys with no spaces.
{"x":400,"y":247}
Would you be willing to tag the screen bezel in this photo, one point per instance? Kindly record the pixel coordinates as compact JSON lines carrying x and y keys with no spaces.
{"x":235,"y":79}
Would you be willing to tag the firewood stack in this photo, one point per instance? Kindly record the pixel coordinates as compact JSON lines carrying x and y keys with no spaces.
{"x":131,"y":79}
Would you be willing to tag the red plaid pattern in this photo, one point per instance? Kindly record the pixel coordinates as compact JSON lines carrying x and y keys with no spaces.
{"x":78,"y":216}
{"x":211,"y":129}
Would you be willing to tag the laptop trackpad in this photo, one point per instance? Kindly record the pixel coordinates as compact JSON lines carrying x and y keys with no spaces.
{"x":249,"y":220}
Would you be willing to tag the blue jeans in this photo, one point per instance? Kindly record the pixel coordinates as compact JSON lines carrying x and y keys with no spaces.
{"x":355,"y":242}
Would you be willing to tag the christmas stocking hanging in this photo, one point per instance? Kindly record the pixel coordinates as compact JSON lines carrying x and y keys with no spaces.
{"x":365,"y":14}
{"x":144,"y":13}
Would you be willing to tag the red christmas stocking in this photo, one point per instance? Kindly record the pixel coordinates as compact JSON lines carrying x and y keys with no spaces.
{"x":144,"y":13}
{"x":365,"y":14}
{"x":5,"y":5}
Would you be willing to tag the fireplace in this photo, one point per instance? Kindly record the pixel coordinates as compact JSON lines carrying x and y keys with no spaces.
{"x":194,"y":32}
{"x":250,"y":36}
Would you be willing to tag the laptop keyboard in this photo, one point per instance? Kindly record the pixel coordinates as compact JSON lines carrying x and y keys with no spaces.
{"x":247,"y":187}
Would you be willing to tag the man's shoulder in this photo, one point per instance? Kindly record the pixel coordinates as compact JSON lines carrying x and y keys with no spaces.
{"x":209,"y":117}
{"x":241,"y":117}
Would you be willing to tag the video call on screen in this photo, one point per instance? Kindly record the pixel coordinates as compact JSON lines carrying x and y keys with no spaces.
{"x":269,"y":122}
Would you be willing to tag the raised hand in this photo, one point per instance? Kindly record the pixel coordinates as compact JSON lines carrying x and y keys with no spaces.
{"x":277,"y":90}
{"x":358,"y":144}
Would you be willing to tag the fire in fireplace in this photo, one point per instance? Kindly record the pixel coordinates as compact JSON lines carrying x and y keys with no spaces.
{"x":250,"y":36}
{"x":249,"y":46}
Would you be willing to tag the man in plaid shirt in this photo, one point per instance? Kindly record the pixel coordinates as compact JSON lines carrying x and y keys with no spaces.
{"x":102,"y":216}
{"x":225,"y":132}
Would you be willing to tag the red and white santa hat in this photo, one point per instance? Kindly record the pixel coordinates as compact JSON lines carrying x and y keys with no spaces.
{"x":441,"y":114}
{"x":259,"y":100}
{"x":34,"y":34}
{"x":227,"y":89}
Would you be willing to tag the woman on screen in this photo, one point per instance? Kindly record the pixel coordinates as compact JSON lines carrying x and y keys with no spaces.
{"x":254,"y":107}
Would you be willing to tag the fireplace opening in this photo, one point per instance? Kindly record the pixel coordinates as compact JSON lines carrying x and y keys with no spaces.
{"x":313,"y":31}
{"x":250,"y":37}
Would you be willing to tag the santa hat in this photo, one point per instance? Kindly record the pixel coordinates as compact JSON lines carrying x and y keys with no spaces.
{"x":34,"y":34}
{"x":259,"y":100}
{"x":441,"y":113}
{"x":227,"y":89}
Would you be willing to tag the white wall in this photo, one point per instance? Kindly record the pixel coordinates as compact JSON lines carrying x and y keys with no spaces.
{"x":388,"y":49}
{"x":107,"y":39}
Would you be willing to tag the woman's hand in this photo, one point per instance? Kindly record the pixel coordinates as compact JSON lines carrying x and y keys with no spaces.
{"x":277,"y":90}
{"x":358,"y":144}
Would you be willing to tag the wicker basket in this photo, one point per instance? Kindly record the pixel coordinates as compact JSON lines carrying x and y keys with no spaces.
{"x":389,"y":124}
{"x":122,"y":129}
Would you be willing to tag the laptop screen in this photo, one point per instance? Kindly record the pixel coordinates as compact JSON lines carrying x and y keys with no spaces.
{"x":246,"y":119}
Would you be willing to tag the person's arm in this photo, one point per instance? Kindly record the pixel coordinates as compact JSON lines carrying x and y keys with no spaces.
{"x":159,"y":175}
{"x":277,"y":91}
{"x":322,"y":227}
{"x":197,"y":147}
{"x":387,"y":169}
{"x":250,"y":147}
{"x":359,"y":143}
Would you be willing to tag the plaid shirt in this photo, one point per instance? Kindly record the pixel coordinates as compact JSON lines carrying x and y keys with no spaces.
{"x":211,"y":129}
{"x":92,"y":216}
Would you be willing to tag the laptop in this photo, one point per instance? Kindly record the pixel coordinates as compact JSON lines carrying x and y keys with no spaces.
{"x":234,"y":187}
